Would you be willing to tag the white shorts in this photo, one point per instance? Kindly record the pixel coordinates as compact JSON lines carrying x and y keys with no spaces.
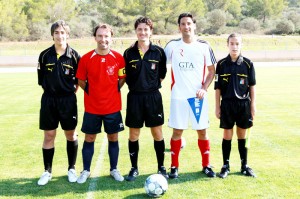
{"x":181,"y":113}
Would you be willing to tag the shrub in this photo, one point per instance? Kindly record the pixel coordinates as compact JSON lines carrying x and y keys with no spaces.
{"x":285,"y":27}
{"x":251,"y":24}
{"x":217,"y":20}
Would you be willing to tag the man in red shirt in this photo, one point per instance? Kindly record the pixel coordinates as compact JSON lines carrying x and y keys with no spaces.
{"x":101,"y":74}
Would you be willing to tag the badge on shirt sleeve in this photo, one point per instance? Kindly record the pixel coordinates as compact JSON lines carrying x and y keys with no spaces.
{"x":67,"y":72}
{"x":153,"y":66}
{"x":242,"y":81}
{"x":216,"y":77}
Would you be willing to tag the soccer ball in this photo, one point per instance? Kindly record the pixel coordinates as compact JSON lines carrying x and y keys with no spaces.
{"x":183,"y":142}
{"x":156,"y":185}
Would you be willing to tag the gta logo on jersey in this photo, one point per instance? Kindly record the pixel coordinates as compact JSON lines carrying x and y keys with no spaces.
{"x":186,"y":66}
{"x":111,"y":70}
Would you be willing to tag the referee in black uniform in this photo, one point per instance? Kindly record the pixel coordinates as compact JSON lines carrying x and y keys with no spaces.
{"x":145,"y":69}
{"x":56,"y":75}
{"x":234,"y":84}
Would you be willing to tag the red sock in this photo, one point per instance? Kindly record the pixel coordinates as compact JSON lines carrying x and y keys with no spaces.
{"x":175,"y":149}
{"x":204,"y":150}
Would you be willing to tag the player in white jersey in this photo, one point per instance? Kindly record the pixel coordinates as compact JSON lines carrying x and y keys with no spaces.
{"x":193,"y":70}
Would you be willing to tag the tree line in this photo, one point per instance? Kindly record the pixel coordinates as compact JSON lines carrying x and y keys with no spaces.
{"x":25,"y":20}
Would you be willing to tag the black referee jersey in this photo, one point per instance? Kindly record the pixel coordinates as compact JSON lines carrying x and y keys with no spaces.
{"x":57,"y":74}
{"x":144,"y":74}
{"x":234,"y":78}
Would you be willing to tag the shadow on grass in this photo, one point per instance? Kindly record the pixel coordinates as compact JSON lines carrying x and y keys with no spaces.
{"x":27,"y":187}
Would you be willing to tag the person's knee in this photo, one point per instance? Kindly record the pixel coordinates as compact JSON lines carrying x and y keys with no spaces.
{"x":112,"y":137}
{"x":90,"y":137}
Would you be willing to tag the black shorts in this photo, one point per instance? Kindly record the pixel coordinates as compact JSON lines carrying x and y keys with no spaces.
{"x":55,"y":110}
{"x":235,"y":112}
{"x":144,"y":107}
{"x":92,"y":123}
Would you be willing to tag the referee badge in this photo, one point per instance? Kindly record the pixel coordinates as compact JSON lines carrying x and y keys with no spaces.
{"x":67,"y":72}
{"x":153,"y":66}
{"x":216,"y":77}
{"x":242,"y":81}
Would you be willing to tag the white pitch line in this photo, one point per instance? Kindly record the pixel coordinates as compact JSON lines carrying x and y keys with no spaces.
{"x":97,"y":169}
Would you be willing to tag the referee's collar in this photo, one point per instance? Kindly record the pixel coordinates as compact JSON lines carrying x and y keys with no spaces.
{"x":151,"y":47}
{"x":67,"y":53}
{"x":239,"y":60}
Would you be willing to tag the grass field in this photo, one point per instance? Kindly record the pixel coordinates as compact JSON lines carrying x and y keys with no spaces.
{"x":274,"y":154}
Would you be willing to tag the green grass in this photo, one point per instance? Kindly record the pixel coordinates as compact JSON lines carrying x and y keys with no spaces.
{"x":274,"y":154}
{"x":218,"y":43}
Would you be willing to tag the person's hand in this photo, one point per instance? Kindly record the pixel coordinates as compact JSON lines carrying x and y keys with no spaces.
{"x":200,"y":93}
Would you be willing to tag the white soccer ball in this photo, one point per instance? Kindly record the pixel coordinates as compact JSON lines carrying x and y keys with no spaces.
{"x":183,"y":142}
{"x":156,"y":185}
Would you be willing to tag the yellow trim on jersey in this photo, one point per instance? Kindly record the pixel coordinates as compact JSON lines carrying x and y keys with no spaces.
{"x":153,"y":60}
{"x":135,"y":60}
{"x":67,"y":66}
{"x":52,"y":64}
{"x":242,"y":75}
{"x":247,"y":63}
{"x":225,"y":75}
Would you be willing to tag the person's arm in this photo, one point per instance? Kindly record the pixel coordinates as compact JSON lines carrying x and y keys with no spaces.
{"x":122,"y":82}
{"x":82,"y":84}
{"x":218,"y":103}
{"x":253,"y":103}
{"x":210,"y":76}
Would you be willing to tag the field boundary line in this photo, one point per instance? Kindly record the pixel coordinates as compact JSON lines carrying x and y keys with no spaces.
{"x":96,"y":171}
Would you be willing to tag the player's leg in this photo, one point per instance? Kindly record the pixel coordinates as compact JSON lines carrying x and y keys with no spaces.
{"x":91,"y":126}
{"x":227,"y":121}
{"x":159,"y":147}
{"x":178,"y":120}
{"x":113,"y":124}
{"x":244,"y":121}
{"x":133,"y":148}
{"x":204,"y":147}
{"x":175,"y":143}
{"x":134,"y":120}
{"x":226,"y":150}
{"x":67,"y":110}
{"x":72,"y":149}
{"x":49,"y":123}
{"x":48,"y":153}
{"x":154,"y":118}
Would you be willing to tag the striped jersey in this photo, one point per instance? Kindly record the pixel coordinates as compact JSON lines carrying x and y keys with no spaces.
{"x":188,"y":62}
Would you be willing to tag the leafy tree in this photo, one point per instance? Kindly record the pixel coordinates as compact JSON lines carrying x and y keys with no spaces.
{"x":12,"y":20}
{"x":217,"y":4}
{"x":261,"y":9}
{"x":235,"y":8}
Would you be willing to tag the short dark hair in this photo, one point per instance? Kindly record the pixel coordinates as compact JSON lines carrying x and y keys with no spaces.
{"x":233,"y":35}
{"x":186,"y":14}
{"x":104,"y":26}
{"x":145,"y":20}
{"x":61,"y":23}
